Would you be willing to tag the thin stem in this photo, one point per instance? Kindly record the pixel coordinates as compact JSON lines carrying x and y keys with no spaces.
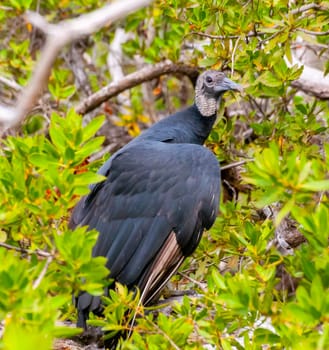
{"x":236,"y":164}
{"x":42,"y":273}
{"x":26,"y":251}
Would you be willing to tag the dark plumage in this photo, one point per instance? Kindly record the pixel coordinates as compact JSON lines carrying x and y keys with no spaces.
{"x":161,"y":192}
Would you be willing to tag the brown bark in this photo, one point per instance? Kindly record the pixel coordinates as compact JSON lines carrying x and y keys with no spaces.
{"x":133,"y":79}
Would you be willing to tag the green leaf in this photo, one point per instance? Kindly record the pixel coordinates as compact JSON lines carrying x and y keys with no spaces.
{"x":285,"y":210}
{"x":67,"y":91}
{"x":90,"y":147}
{"x":18,"y":337}
{"x":317,"y":293}
{"x":269,"y":79}
{"x":66,"y":332}
{"x":57,"y":137}
{"x":287,"y":50}
{"x":43,"y":160}
{"x":296,"y":71}
{"x":3,"y":236}
{"x":91,"y":128}
{"x":316,"y":185}
{"x":265,"y":336}
{"x":208,"y":62}
{"x":87,"y":179}
{"x":218,"y":279}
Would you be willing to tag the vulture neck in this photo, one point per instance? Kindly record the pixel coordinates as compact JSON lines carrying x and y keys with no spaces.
{"x":186,"y":126}
{"x":200,"y":125}
{"x":207,"y":106}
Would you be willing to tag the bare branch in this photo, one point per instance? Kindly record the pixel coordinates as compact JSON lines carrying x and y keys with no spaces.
{"x":59,"y":35}
{"x":222,"y":37}
{"x":199,"y":284}
{"x":10,"y":83}
{"x":312,"y":81}
{"x":91,"y":22}
{"x":26,"y":251}
{"x":233,"y":55}
{"x":317,"y":89}
{"x":308,"y":7}
{"x":236,"y":164}
{"x":133,"y":79}
{"x":43,"y":273}
{"x":37,"y":82}
{"x":311,"y":32}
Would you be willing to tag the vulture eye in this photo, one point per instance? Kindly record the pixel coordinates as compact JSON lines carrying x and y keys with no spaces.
{"x":209,"y":79}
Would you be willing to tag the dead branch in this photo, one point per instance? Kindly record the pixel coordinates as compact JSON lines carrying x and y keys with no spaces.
{"x":59,"y":35}
{"x":133,"y":79}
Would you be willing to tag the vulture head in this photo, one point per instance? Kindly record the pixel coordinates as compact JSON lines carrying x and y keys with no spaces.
{"x":209,"y":88}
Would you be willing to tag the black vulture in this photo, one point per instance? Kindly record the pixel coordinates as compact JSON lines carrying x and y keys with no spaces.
{"x":161,"y":192}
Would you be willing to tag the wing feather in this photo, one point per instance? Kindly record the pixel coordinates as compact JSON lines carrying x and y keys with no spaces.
{"x":151,"y":210}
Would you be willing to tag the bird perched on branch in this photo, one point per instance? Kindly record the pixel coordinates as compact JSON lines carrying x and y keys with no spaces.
{"x":161,"y":192}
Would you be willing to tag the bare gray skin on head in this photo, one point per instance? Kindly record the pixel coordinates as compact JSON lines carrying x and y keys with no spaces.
{"x":209,"y":88}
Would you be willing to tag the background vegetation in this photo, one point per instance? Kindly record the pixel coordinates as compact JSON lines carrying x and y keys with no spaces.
{"x":261,"y":274}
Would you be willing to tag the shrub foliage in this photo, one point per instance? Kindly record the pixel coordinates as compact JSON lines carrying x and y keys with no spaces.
{"x":250,"y":292}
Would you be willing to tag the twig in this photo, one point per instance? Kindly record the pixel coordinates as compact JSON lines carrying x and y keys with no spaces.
{"x":107,"y":149}
{"x":26,"y":251}
{"x":172,"y":343}
{"x":59,"y":35}
{"x":236,"y":164}
{"x":311,"y":32}
{"x":308,"y":7}
{"x":37,"y":282}
{"x":191,"y":280}
{"x":233,"y":54}
{"x":223,"y":37}
{"x":10,"y":83}
{"x":74,"y":59}
{"x":312,"y":46}
{"x":133,"y":79}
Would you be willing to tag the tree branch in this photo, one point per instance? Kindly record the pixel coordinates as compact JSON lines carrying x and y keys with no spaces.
{"x":26,"y":251}
{"x":223,"y":37}
{"x":133,"y":79}
{"x":10,"y":83}
{"x":59,"y":35}
{"x":312,"y":81}
{"x":311,"y":32}
{"x":316,"y":89}
{"x":308,"y":7}
{"x":236,"y":164}
{"x":42,"y":273}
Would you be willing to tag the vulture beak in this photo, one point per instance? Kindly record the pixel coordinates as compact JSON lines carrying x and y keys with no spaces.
{"x":227,"y":84}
